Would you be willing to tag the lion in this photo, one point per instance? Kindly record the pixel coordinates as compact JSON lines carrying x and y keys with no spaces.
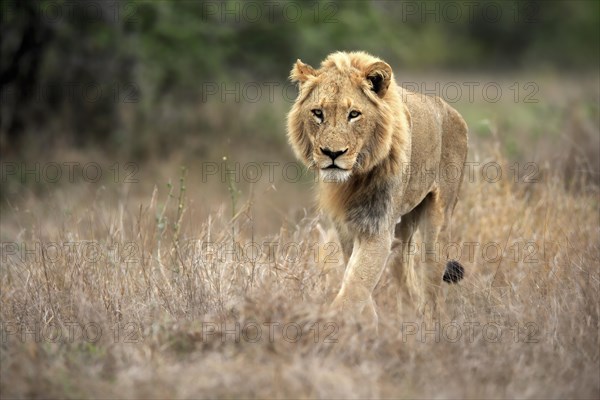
{"x":377,"y":149}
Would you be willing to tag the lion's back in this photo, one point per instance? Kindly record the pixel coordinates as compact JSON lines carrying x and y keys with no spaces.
{"x":438,"y":144}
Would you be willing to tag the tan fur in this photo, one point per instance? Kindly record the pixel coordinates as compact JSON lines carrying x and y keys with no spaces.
{"x":385,"y":158}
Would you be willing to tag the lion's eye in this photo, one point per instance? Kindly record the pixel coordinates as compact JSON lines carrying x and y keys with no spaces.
{"x":317,"y":113}
{"x":353,"y":114}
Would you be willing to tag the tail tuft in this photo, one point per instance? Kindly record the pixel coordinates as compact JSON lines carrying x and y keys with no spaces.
{"x":454,"y":272}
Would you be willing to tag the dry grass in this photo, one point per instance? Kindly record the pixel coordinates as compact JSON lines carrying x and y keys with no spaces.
{"x":158,"y":309}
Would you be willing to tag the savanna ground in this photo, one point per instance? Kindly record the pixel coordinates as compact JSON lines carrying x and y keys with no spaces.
{"x":130,"y":287}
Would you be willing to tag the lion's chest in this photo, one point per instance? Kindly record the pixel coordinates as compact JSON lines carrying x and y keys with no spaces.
{"x":364,"y":206}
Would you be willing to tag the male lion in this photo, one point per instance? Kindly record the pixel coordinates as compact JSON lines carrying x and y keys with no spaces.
{"x":361,"y":131}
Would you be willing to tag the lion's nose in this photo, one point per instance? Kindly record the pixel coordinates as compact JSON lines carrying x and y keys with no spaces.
{"x":332,"y":154}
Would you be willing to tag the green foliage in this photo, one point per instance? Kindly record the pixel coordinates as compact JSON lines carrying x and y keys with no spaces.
{"x":155,"y":55}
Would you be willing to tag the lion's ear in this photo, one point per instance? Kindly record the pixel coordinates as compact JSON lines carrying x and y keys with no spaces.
{"x":379,"y":75}
{"x":302,"y":72}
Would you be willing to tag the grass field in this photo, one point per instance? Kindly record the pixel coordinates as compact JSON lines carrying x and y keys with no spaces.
{"x":212,"y":288}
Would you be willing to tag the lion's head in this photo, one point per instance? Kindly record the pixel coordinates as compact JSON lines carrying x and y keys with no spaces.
{"x":341,"y":123}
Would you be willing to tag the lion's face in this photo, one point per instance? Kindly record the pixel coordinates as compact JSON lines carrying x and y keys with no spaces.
{"x":338,"y":120}
{"x":336,"y":124}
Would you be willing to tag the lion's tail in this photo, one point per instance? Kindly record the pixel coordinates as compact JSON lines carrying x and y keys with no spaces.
{"x":415,"y":285}
{"x":454,"y":272}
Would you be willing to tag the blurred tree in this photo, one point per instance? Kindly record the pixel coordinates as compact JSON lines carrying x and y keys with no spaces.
{"x":63,"y":64}
{"x":25,"y":39}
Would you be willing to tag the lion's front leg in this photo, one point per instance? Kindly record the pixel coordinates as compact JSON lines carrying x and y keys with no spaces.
{"x":363,"y":271}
